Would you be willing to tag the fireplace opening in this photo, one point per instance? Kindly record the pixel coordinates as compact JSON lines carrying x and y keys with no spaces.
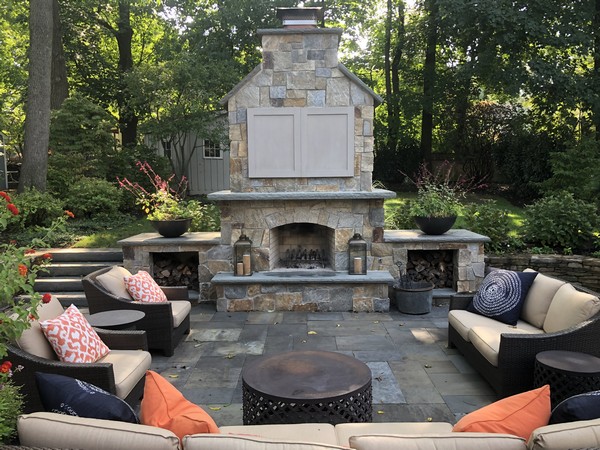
{"x":176,"y":269}
{"x":301,"y":246}
{"x":435,"y":266}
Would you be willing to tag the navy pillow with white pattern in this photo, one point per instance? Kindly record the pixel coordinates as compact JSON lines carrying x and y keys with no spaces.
{"x":66,"y":395}
{"x":578,"y":407}
{"x":502,"y":295}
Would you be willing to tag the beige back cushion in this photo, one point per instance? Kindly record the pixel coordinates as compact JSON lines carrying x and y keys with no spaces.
{"x":114,"y":281}
{"x":579,"y":434}
{"x":52,"y":430}
{"x":244,"y":442}
{"x":33,"y":340}
{"x":569,"y":307}
{"x":538,"y":298}
{"x":446,"y":441}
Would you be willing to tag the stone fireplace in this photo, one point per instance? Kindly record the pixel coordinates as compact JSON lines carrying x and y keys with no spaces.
{"x":301,"y":163}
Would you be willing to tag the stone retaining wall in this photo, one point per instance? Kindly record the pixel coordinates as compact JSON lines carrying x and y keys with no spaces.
{"x":576,"y":269}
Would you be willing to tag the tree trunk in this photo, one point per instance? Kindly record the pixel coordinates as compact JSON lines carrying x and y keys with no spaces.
{"x":429,"y":81}
{"x":394,"y":120}
{"x":128,"y":119}
{"x":37,"y":120}
{"x":388,"y":73}
{"x":60,"y":84}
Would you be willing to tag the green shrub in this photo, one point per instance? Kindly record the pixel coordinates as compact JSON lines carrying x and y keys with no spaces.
{"x":400,"y":218}
{"x":560,"y":221}
{"x":205,"y":216}
{"x":37,"y":208}
{"x":93,"y":197}
{"x":491,"y":221}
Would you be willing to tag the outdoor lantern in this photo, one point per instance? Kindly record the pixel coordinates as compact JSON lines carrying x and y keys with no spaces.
{"x":357,"y":255}
{"x":242,"y":256}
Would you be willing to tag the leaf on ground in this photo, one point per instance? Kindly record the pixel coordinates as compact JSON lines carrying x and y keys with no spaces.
{"x":172,"y":375}
{"x":312,"y":332}
{"x":338,"y":325}
{"x":230,"y":356}
{"x":380,"y":412}
{"x":430,"y":419}
{"x":376,"y":321}
{"x":428,"y":366}
{"x":214,"y":408}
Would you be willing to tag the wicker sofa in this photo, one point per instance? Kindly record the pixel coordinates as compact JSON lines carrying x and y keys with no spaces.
{"x":52,"y":430}
{"x":555,"y":316}
{"x":165,"y":323}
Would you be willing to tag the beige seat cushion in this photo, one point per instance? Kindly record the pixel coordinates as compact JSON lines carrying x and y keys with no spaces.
{"x":33,"y":339}
{"x":229,"y":442}
{"x":538,"y":298}
{"x":114,"y":281}
{"x":570,"y":307}
{"x":180,"y":309}
{"x":446,"y":441}
{"x":580,"y":434}
{"x":486,"y":339}
{"x":129,"y":366}
{"x":52,"y":430}
{"x":323,"y":433}
{"x":345,"y":431}
{"x":463,"y":321}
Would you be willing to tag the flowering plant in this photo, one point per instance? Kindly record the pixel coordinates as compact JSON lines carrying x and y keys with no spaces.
{"x":437,"y":194}
{"x":11,"y":402}
{"x":166,"y":202}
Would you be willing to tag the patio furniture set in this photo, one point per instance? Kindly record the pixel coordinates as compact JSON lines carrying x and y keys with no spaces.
{"x":317,"y":400}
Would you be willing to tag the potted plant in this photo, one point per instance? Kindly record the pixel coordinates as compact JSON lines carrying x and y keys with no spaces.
{"x":165,"y":208}
{"x":412,"y":297}
{"x":439,"y":199}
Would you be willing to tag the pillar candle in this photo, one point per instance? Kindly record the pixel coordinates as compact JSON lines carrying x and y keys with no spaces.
{"x":247,"y":268}
{"x":358,"y":265}
{"x":240,"y":269}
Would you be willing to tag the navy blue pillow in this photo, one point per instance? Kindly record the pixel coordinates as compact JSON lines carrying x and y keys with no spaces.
{"x":74,"y":397}
{"x":579,"y":407}
{"x":501,"y":295}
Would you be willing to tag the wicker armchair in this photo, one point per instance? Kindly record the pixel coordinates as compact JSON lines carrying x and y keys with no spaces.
{"x":121,"y":372}
{"x":516,"y":356}
{"x":164,"y":323}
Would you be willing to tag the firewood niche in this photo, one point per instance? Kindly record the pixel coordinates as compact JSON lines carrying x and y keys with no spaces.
{"x":176,"y":269}
{"x":435,"y":266}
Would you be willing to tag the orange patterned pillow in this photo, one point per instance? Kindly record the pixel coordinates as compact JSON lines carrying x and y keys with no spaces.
{"x":143,"y":288}
{"x":73,"y":338}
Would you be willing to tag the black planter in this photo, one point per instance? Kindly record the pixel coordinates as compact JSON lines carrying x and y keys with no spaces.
{"x":171,"y":228}
{"x":435,"y":225}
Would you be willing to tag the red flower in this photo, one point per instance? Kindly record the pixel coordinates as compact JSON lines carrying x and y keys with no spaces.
{"x":70,"y":214}
{"x":5,"y":367}
{"x":5,"y":196}
{"x":46,"y":298}
{"x":13,"y":209}
{"x":47,"y":256}
{"x":29,"y":251}
{"x":31,"y":317}
{"x":13,"y":242}
{"x":22,"y":270}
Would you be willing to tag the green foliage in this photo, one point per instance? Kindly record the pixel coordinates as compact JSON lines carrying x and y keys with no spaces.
{"x":82,"y":143}
{"x":11,"y":406}
{"x":36,"y":209}
{"x":93,"y":197}
{"x":400,"y":218}
{"x":205,"y":216}
{"x":490,"y":220}
{"x":576,"y":170}
{"x":561,"y":221}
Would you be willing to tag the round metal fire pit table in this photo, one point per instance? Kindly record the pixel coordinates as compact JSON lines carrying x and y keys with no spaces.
{"x":307,"y":386}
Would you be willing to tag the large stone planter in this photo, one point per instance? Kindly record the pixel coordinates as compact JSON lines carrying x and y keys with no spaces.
{"x":416,"y":299}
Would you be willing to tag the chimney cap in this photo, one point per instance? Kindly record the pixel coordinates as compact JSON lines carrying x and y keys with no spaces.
{"x":300,"y":17}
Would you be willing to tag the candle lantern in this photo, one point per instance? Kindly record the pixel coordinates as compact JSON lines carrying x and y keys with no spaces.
{"x":242,"y":256}
{"x":357,"y":255}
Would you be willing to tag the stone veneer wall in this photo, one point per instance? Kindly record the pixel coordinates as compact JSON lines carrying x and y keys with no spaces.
{"x":300,"y":69}
{"x":578,"y":269}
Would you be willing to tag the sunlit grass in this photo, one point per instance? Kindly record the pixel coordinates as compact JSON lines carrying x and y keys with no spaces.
{"x":109,"y":236}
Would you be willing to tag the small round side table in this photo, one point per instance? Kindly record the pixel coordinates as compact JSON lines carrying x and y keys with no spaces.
{"x":116,"y":319}
{"x":567,"y":373}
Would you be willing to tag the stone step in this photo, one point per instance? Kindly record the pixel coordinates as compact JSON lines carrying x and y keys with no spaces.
{"x":68,"y":298}
{"x":107,"y":255}
{"x":58,"y":284}
{"x":72,"y":269}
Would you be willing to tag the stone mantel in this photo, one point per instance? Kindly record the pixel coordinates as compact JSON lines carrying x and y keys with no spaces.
{"x":417,"y":236}
{"x":299,"y":195}
{"x":187,"y":239}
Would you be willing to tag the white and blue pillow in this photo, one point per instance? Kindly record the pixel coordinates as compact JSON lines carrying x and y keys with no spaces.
{"x":502,"y":295}
{"x":73,"y":397}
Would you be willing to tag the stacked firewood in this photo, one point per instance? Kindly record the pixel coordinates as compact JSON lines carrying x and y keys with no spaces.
{"x":172,"y":272}
{"x":435,"y":266}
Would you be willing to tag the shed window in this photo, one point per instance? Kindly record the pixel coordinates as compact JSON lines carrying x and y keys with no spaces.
{"x":212,"y":150}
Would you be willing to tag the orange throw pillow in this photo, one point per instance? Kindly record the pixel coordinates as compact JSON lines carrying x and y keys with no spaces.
{"x":518,"y":415}
{"x":165,"y":407}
